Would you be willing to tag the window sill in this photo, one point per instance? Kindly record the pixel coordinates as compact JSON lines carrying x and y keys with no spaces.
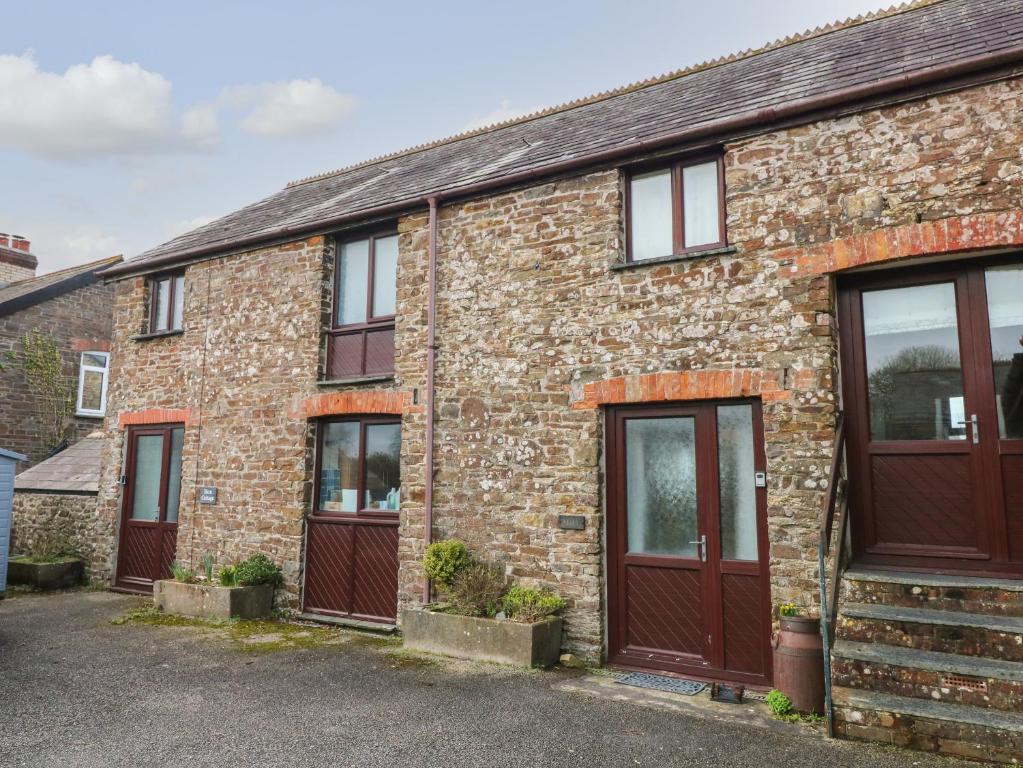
{"x":355,"y":380}
{"x":87,"y":415}
{"x":158,"y":335}
{"x":687,"y":256}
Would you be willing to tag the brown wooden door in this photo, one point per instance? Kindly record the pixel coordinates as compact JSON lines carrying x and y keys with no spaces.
{"x":688,"y":587}
{"x":149,"y":518}
{"x":351,"y":568}
{"x":933,"y":385}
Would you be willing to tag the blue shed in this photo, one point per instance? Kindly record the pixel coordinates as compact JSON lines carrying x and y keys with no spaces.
{"x":8,"y":461}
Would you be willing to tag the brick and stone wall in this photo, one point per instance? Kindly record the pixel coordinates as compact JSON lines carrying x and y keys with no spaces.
{"x":80,"y":320}
{"x":74,"y":517}
{"x":538,"y":326}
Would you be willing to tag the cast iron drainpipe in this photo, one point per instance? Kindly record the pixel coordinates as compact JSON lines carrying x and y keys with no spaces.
{"x":431,"y":354}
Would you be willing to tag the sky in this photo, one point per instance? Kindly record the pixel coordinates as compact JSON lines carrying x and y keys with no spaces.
{"x":124,"y":124}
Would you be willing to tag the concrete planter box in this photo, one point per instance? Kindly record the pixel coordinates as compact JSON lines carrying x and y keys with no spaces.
{"x":211,"y":601}
{"x":59,"y":575}
{"x":467,"y":637}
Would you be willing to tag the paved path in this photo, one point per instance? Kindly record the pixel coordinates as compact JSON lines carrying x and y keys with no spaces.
{"x":76,"y":690}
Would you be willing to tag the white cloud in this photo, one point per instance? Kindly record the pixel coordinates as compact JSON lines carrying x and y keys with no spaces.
{"x":499,"y":115}
{"x":103,"y":108}
{"x":289,"y":108}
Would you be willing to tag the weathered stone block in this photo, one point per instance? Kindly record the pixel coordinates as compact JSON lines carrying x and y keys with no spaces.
{"x":468,"y":637}
{"x":209,"y":601}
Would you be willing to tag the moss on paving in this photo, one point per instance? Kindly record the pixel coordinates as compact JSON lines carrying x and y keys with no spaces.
{"x":250,"y":636}
{"x":403,"y":659}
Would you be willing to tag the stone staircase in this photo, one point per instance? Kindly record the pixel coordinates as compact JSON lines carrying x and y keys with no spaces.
{"x":931,"y":662}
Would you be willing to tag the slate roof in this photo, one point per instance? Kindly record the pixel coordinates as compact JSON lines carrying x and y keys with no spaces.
{"x":73,"y":470}
{"x":813,"y":66}
{"x":24,"y":293}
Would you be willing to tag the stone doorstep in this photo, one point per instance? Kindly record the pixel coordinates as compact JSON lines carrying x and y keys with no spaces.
{"x":753,"y":713}
{"x":338,"y":621}
{"x":934,"y":580}
{"x":896,"y":614}
{"x":932,"y":661}
{"x":855,"y":698}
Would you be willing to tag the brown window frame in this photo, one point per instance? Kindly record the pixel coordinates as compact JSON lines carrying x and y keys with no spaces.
{"x":678,"y":235}
{"x":372,"y":322}
{"x":154,"y":287}
{"x":360,"y":489}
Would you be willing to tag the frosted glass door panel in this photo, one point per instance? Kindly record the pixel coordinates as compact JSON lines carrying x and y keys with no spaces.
{"x":145,"y":503}
{"x":174,"y":476}
{"x":660,"y":459}
{"x":736,"y":476}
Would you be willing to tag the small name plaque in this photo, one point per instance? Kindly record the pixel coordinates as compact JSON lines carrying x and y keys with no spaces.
{"x":207,"y":495}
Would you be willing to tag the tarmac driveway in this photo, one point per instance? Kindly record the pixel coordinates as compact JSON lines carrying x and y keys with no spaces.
{"x":76,"y":690}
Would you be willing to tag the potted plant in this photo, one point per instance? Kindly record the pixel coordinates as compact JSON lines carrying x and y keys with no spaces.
{"x":52,"y":562}
{"x":243,"y":591}
{"x":483,"y":618}
{"x":799,"y":660}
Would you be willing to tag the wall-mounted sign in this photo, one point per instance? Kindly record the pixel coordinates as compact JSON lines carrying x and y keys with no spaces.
{"x":207,"y":495}
{"x":571,"y":522}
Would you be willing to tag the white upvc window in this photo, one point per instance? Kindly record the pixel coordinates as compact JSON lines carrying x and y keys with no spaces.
{"x":93,"y":376}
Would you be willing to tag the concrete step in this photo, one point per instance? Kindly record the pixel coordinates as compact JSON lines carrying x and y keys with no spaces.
{"x":928,"y":629}
{"x":999,"y":597}
{"x":930,"y":726}
{"x":944,"y":677}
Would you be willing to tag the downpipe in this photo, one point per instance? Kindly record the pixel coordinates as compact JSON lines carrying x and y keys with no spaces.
{"x":431,"y":355}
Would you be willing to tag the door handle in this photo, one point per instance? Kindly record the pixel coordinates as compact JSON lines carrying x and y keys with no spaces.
{"x":974,"y":431}
{"x":701,"y":543}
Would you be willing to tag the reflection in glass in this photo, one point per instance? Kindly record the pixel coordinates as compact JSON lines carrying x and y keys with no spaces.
{"x":700,"y":204}
{"x":736,"y":477}
{"x":174,"y":476}
{"x":339,"y":467}
{"x":661,"y":486}
{"x":383,"y":466}
{"x":914,"y":377}
{"x":145,"y":504}
{"x":92,"y":391}
{"x":353,"y":282}
{"x":650,"y":215}
{"x":385,"y":275}
{"x":177,"y":320}
{"x":162,"y":299}
{"x":1005,"y":314}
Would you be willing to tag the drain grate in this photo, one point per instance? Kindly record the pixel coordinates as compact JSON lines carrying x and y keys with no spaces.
{"x":660,"y":683}
{"x":964,"y":683}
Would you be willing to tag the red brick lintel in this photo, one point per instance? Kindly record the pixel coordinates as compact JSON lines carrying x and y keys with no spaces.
{"x":685,"y":385}
{"x":975,"y":232}
{"x":156,"y":416}
{"x":361,"y":402}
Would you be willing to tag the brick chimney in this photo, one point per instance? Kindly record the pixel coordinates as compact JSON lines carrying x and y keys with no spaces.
{"x":16,"y":259}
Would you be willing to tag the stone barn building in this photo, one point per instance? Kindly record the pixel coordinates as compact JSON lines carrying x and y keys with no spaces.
{"x":617,"y":345}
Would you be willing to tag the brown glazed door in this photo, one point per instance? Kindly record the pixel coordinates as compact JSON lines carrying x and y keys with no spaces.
{"x":149,"y":518}
{"x":933,"y":383}
{"x":688,"y":587}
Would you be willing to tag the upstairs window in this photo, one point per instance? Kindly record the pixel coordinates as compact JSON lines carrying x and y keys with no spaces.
{"x":361,"y":339}
{"x":675,"y":210}
{"x":93,"y":375}
{"x":166,"y":303}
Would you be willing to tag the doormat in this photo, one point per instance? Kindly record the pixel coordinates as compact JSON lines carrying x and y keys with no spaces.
{"x":660,"y":683}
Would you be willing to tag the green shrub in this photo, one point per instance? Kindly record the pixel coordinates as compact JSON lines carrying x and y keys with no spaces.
{"x":207,"y":567}
{"x":779,"y":703}
{"x":444,"y":560}
{"x":229,"y":576}
{"x":478,"y":589}
{"x":182,"y":574}
{"x":530,"y":605}
{"x":258,"y":569}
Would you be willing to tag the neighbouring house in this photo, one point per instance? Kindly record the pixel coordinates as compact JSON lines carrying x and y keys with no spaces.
{"x":46,"y":404}
{"x":609,"y":344}
{"x":55,"y":505}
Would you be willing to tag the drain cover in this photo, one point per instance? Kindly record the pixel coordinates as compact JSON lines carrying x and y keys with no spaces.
{"x":660,"y":683}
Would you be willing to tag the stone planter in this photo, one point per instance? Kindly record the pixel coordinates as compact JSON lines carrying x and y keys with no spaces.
{"x":211,"y":601}
{"x":467,"y":637}
{"x":62,"y":574}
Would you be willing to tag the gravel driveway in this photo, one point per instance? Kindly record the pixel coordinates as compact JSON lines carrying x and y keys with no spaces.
{"x":76,"y":690}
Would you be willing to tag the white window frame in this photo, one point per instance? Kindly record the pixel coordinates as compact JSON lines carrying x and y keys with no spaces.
{"x":82,"y":370}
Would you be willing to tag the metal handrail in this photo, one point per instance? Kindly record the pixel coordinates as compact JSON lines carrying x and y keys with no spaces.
{"x":835,"y":503}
